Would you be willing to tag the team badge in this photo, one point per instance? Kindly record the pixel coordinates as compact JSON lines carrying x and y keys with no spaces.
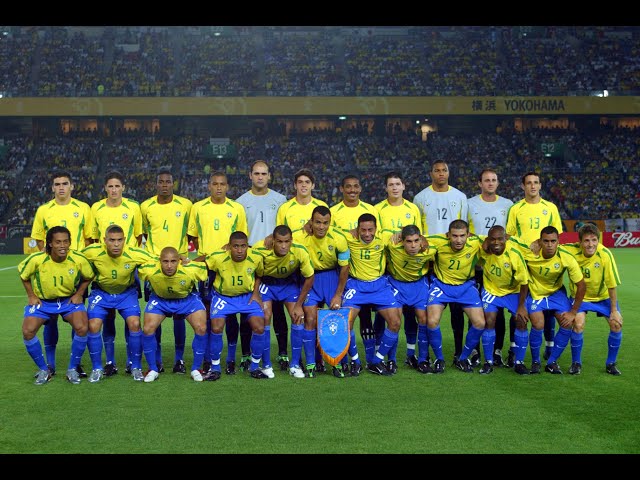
{"x":127,"y":266}
{"x":249,"y":271}
{"x":556,"y":266}
{"x":377,"y":247}
{"x":183,"y":283}
{"x":468,"y":255}
{"x":544,"y":212}
{"x":178,"y":214}
{"x":596,"y":265}
{"x":214,"y":312}
{"x":331,"y":248}
{"x":76,"y":214}
{"x":291,"y":262}
{"x":453,"y":204}
{"x":229,"y":215}
{"x":125,"y":216}
{"x":534,"y":306}
{"x":507,"y":265}
{"x":71,"y":271}
{"x":503,"y":212}
{"x":485,"y":306}
{"x":407,"y":216}
{"x":333,"y":334}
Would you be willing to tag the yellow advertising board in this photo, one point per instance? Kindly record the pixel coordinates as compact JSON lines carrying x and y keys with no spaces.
{"x":252,"y":106}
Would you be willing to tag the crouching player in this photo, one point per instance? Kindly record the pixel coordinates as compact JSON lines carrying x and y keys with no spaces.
{"x":55,"y":281}
{"x":115,"y":289}
{"x":505,"y":285}
{"x":236,"y":290}
{"x":173,"y":294}
{"x":601,"y":277}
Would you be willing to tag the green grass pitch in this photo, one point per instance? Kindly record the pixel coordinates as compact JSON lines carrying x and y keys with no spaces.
{"x":408,"y":413}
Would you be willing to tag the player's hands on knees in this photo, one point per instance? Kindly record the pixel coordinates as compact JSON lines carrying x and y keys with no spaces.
{"x":566,"y":319}
{"x":616,"y":317}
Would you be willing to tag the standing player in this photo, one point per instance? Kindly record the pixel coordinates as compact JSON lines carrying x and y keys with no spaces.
{"x":55,"y":281}
{"x":345,"y":216}
{"x":173,"y":286}
{"x":284,"y":263}
{"x":68,"y":212}
{"x":295,"y":213}
{"x":165,"y":220}
{"x":439,"y":205}
{"x":115,"y":289}
{"x":368,"y":285}
{"x":504,"y":285}
{"x":601,"y":278}
{"x":118,"y":210}
{"x":526,"y":219}
{"x":212,"y":220}
{"x":547,"y":292}
{"x":235,"y":289}
{"x":329,"y":253}
{"x":486,"y":210}
{"x":261,"y":205}
{"x":395,"y":213}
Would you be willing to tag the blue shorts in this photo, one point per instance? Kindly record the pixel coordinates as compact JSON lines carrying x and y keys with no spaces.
{"x":601,"y":308}
{"x":412,"y":294}
{"x":557,"y":302}
{"x":174,"y":306}
{"x":100,"y":302}
{"x":493,"y":303}
{"x":324,"y":287}
{"x":222,"y":305}
{"x":50,"y":309}
{"x":376,"y":292}
{"x":442,"y":293}
{"x":286,"y":290}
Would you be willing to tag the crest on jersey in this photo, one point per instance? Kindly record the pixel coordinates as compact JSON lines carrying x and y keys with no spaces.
{"x":544,"y":212}
{"x":596,"y":265}
{"x":291,"y":262}
{"x":183,"y":283}
{"x":556,"y":266}
{"x":407,"y":215}
{"x":503,"y":212}
{"x":71,"y":271}
{"x":333,"y":334}
{"x":178,"y":214}
{"x":507,"y":265}
{"x":76,"y":214}
{"x":453,"y":204}
{"x":331,"y":248}
{"x":229,"y":215}
{"x":468,"y":255}
{"x":125,"y":216}
{"x":127,"y":266}
{"x":377,"y":247}
{"x":249,"y":271}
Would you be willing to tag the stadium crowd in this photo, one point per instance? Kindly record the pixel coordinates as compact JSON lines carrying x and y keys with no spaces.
{"x":320,"y":61}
